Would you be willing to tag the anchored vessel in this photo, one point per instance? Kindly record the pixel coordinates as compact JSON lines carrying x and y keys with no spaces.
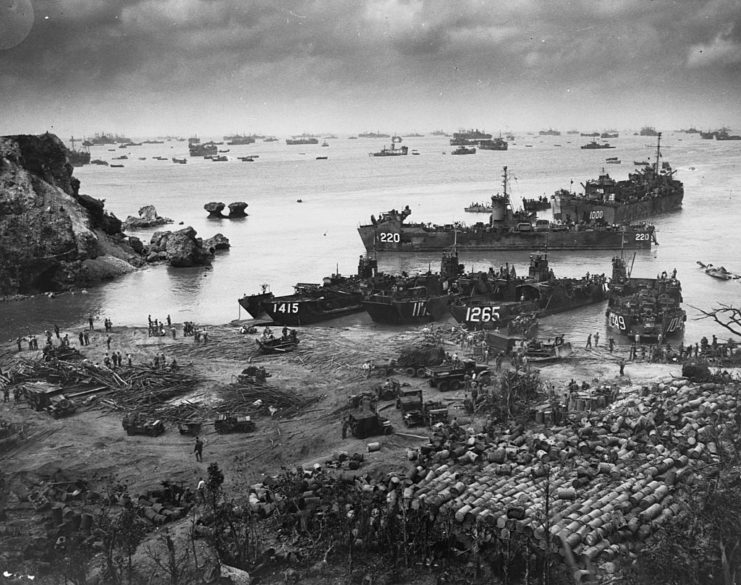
{"x":393,"y":150}
{"x":645,"y":309}
{"x":650,"y":190}
{"x":506,"y":230}
{"x":490,"y":299}
{"x":303,"y":139}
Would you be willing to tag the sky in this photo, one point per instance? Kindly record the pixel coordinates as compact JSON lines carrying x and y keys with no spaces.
{"x":149,"y":68}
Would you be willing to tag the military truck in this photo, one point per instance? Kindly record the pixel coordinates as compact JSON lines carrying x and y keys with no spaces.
{"x":253,"y":375}
{"x":136,"y":424}
{"x":60,"y":406}
{"x":366,"y":423}
{"x":410,"y":404}
{"x":451,"y":377}
{"x":413,"y":361}
{"x":231,"y":423}
{"x":388,"y":390}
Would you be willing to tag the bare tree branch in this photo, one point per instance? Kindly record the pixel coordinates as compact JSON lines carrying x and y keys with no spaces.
{"x":726,"y":316}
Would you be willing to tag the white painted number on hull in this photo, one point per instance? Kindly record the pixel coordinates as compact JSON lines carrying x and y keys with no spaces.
{"x":617,"y":321}
{"x":482,"y":314}
{"x":642,"y":237}
{"x":596,"y":214}
{"x":389,"y":238}
{"x":285,"y":308}
{"x":419,"y":309}
{"x":674,"y":325}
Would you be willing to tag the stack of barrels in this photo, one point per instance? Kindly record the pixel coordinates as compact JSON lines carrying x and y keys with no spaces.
{"x":610,"y":476}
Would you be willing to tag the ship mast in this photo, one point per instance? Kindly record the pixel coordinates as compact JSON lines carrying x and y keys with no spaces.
{"x":504,"y":183}
{"x":658,"y":152}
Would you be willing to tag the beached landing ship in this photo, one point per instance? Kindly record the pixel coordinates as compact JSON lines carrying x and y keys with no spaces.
{"x":644,"y":308}
{"x":650,"y":190}
{"x":489,"y":300}
{"x":312,"y":303}
{"x":506,"y":230}
{"x":416,"y":299}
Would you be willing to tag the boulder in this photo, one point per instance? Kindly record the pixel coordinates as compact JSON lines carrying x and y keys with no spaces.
{"x":217,"y":242}
{"x":158,"y":242}
{"x":147,"y":218}
{"x":237,"y":208}
{"x":214,"y":208}
{"x":184,"y":250}
{"x":136,"y":244}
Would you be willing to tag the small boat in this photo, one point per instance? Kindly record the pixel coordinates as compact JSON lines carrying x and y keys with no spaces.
{"x":225,"y":150}
{"x":718,"y":272}
{"x":415,"y":152}
{"x":180,"y":161}
{"x":613,"y":160}
{"x":219,"y":158}
{"x":277,"y":344}
{"x":246,"y":158}
{"x":325,"y":143}
{"x":464,"y":150}
{"x":641,"y":163}
{"x":119,"y":166}
{"x":299,"y":200}
{"x":321,"y":158}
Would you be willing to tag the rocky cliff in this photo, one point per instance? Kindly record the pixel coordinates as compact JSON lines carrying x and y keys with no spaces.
{"x":51,"y":237}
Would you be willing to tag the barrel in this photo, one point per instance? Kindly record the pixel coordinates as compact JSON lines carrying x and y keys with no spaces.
{"x":375,"y":446}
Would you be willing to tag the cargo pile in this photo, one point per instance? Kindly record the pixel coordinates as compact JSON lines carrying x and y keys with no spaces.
{"x":611,"y":476}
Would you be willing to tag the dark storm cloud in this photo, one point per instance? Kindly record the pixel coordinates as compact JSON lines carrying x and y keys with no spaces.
{"x":289,"y":49}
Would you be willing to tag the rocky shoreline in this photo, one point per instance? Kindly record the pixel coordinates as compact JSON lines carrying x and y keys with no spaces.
{"x":54,"y":238}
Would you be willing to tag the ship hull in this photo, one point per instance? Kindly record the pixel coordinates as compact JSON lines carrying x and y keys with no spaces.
{"x":253,"y":303}
{"x":487,"y":314}
{"x":614,"y":213}
{"x":411,"y":238}
{"x":293,"y":311}
{"x":407,"y":311}
{"x":670,"y":324}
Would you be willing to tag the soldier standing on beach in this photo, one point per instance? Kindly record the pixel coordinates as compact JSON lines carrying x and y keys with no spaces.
{"x":589,"y":341}
{"x":198,"y":449}
{"x":90,"y":322}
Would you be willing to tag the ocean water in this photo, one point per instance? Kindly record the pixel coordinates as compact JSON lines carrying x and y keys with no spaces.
{"x":283,"y":241}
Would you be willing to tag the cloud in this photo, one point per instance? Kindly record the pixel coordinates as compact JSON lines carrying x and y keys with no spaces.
{"x":385,"y":54}
{"x":722,"y":50}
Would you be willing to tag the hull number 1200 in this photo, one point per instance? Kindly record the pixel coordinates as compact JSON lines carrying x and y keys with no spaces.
{"x":389,"y":238}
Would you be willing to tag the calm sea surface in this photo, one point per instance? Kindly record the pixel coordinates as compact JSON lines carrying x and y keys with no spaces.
{"x":283,"y":242}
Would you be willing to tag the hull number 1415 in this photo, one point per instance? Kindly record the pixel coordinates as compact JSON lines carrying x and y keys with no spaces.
{"x":286,"y":308}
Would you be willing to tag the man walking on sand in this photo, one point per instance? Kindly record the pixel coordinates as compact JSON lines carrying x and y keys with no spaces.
{"x":622,"y":366}
{"x":198,"y":449}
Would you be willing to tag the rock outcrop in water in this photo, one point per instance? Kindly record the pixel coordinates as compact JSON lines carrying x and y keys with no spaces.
{"x":215,"y":208}
{"x":51,"y":237}
{"x":183,"y":249}
{"x":237,"y":209}
{"x":148,"y":217}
